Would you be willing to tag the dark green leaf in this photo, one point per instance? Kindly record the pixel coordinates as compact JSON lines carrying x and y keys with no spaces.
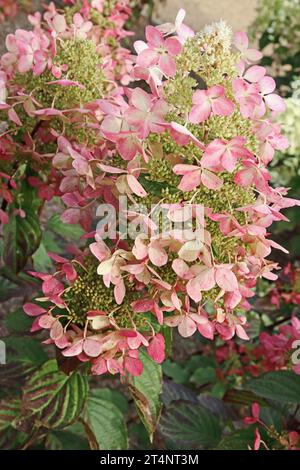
{"x":22,"y":236}
{"x":282,"y":386}
{"x":25,"y":349}
{"x":18,"y":322}
{"x":203,"y":375}
{"x":190,"y":426}
{"x":71,"y":438}
{"x":176,"y":371}
{"x":238,"y":440}
{"x":10,"y":438}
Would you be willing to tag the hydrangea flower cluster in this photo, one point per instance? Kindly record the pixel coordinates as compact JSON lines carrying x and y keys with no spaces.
{"x":194,"y":137}
{"x":51,"y":80}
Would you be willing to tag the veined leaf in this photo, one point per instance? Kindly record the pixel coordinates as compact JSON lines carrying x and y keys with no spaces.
{"x":243,"y":397}
{"x":189,"y":426}
{"x":282,"y":386}
{"x":114,"y":396}
{"x":146,"y":390}
{"x":10,"y":438}
{"x":53,"y":399}
{"x":71,"y":438}
{"x":68,"y":231}
{"x":22,"y":236}
{"x":14,"y":372}
{"x":238,"y":440}
{"x":105,"y":425}
{"x":25,"y":349}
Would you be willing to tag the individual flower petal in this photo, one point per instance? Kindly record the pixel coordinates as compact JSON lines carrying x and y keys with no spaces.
{"x":156,"y":348}
{"x":135,"y":186}
{"x":92,"y":347}
{"x":187,"y":327}
{"x":33,"y":310}
{"x":226,"y":279}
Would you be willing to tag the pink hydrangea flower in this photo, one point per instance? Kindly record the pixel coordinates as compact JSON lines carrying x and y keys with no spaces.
{"x":220,"y":155}
{"x":211,"y":101}
{"x":183,"y":31}
{"x":241,"y":42}
{"x":158,"y":51}
{"x":194,"y":175}
{"x":144,"y":114}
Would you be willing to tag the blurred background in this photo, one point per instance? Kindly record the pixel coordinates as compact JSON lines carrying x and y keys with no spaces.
{"x":240,"y":14}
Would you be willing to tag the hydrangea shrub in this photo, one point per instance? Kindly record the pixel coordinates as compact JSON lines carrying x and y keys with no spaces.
{"x":165,"y":158}
{"x":194,"y":134}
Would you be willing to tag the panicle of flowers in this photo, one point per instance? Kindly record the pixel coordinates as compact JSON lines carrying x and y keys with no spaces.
{"x":51,"y":80}
{"x":196,"y":132}
{"x":85,"y":321}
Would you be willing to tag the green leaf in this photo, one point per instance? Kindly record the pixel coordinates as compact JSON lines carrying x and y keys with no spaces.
{"x":71,"y":438}
{"x":68,"y":231}
{"x":12,"y":373}
{"x":176,"y":371}
{"x":203,"y":375}
{"x":273,"y":417}
{"x":41,"y":260}
{"x":238,"y":440}
{"x":51,"y":242}
{"x":243,"y":397}
{"x":114,"y":396}
{"x":105,"y":425}
{"x":6,"y":289}
{"x":282,"y":386}
{"x":218,"y":390}
{"x":167,"y":332}
{"x":17,"y":321}
{"x":138,"y":437}
{"x":9,"y":436}
{"x":146,"y":390}
{"x":155,"y":187}
{"x":53,"y":399}
{"x":189,"y":426}
{"x":25,"y":349}
{"x":22,"y":236}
